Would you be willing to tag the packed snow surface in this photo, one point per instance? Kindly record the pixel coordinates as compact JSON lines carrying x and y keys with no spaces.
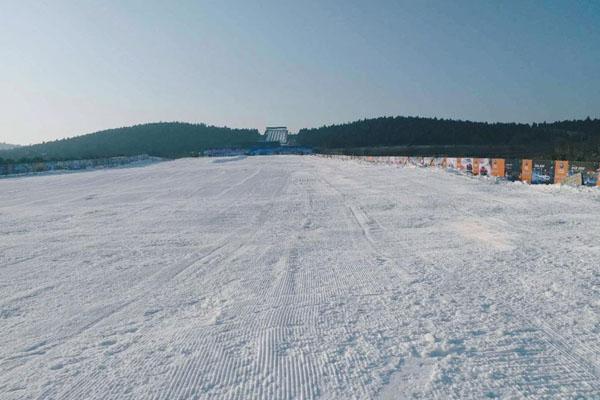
{"x":295,"y":278}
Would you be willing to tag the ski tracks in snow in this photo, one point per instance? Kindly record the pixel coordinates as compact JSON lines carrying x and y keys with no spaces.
{"x":295,"y":278}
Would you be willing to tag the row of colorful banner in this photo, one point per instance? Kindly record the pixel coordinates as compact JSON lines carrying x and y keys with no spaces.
{"x":525,"y":170}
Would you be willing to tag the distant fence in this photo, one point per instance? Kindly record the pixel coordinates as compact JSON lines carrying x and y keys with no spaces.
{"x":71,"y":165}
{"x":526,"y":170}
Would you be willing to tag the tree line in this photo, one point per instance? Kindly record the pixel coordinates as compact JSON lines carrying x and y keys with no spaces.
{"x":573,"y":140}
{"x":162,"y":139}
{"x":577,"y":139}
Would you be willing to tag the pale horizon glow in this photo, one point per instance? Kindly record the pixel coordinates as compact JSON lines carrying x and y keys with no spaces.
{"x":70,"y":68}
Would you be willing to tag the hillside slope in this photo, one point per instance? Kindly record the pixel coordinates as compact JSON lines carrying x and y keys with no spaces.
{"x":163,"y":139}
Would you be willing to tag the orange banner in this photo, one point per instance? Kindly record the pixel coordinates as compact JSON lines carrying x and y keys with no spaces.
{"x":498,"y":167}
{"x":561,"y":171}
{"x":526,"y":170}
{"x":476,"y":166}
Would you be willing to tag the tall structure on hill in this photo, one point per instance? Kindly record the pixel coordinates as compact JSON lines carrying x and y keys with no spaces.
{"x":277,"y":134}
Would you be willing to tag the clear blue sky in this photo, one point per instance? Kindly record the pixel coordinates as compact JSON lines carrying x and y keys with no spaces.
{"x":73,"y":67}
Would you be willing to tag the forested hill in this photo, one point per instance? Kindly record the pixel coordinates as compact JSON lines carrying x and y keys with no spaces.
{"x":578,"y":139}
{"x":163,"y":139}
{"x":574,"y":140}
{"x":6,"y":146}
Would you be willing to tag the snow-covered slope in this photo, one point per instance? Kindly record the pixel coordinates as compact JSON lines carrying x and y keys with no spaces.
{"x":290,"y":277}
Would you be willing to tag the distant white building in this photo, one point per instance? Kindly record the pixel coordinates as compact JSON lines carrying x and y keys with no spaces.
{"x":277,"y":134}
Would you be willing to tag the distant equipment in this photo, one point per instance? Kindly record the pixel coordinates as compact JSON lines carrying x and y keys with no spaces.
{"x":277,"y":134}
